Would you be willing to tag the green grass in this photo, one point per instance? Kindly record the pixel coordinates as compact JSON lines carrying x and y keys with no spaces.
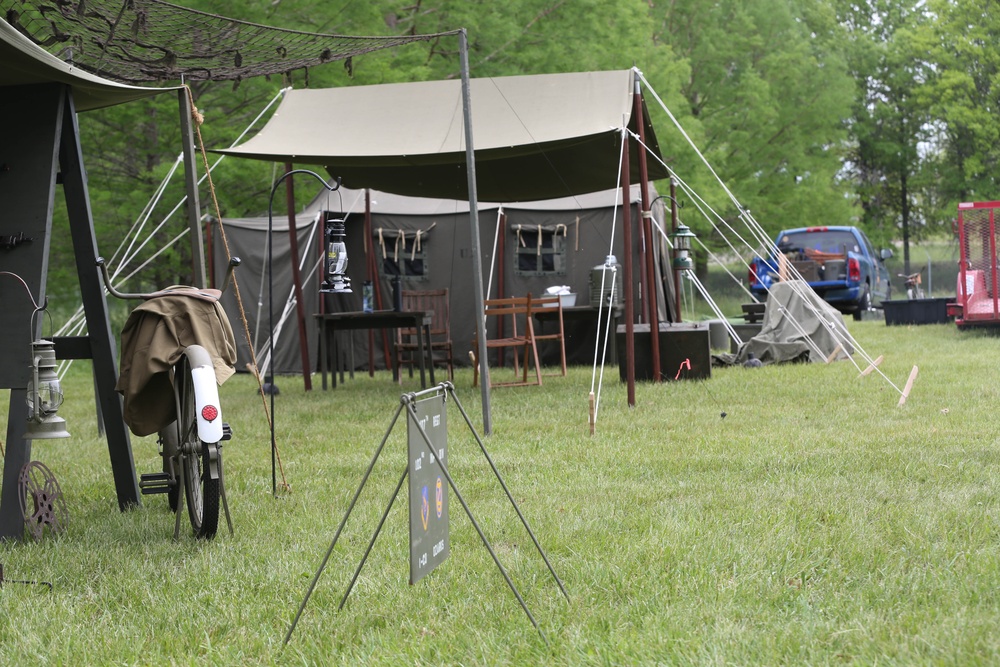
{"x":818,"y":523}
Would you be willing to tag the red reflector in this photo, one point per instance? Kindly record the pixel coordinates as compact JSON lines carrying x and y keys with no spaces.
{"x":209,"y":413}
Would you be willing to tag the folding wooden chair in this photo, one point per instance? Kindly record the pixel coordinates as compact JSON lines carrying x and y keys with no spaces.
{"x":513,"y":314}
{"x":547,"y":303}
{"x":406,"y":339}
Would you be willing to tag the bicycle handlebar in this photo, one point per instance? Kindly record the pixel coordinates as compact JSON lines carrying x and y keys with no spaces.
{"x":233,"y":263}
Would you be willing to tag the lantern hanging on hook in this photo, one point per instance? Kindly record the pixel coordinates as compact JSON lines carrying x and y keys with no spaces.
{"x":335,"y":278}
{"x":681,"y":239}
{"x":44,"y":394}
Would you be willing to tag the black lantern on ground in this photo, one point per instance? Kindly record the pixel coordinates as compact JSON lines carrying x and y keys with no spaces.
{"x":44,"y":394}
{"x":335,"y":279}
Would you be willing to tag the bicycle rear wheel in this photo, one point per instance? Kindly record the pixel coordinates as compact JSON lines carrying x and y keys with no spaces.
{"x":200,"y":490}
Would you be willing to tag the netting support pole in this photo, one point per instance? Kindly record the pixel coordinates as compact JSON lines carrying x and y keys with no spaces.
{"x":191,"y":186}
{"x":477,"y":256}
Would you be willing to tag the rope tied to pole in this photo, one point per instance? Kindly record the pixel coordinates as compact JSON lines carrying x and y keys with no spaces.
{"x":236,"y":286}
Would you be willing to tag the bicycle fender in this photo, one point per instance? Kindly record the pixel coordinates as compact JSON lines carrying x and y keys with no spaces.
{"x":206,"y":392}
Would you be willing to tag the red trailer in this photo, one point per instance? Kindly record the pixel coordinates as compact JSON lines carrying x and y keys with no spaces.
{"x":977,"y":302}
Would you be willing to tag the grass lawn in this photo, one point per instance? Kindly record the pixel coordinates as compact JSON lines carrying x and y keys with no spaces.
{"x":818,"y":523}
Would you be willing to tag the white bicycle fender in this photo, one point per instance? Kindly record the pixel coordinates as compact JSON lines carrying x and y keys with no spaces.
{"x":206,"y":393}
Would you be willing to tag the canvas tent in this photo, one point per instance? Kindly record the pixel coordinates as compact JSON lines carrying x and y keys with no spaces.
{"x":577,"y":230}
{"x":536,"y":137}
{"x":525,"y":138}
{"x":25,"y":64}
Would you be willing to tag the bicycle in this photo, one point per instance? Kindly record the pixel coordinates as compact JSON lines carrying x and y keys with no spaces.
{"x":913,"y":282}
{"x":169,"y":382}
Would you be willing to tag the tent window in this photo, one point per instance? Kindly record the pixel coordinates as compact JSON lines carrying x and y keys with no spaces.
{"x":544,"y":256}
{"x":410,"y":264}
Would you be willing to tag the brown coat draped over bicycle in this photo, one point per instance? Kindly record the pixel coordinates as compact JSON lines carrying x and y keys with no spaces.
{"x":154,"y":338}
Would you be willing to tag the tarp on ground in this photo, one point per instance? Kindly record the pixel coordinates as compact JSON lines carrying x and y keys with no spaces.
{"x":794,"y":315}
{"x":536,"y":136}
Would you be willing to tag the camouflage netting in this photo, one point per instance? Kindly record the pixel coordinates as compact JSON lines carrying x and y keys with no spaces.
{"x":136,"y":41}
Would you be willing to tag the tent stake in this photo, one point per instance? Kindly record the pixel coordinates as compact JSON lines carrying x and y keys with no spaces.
{"x":837,"y":350}
{"x":872,"y":366}
{"x":908,"y":387}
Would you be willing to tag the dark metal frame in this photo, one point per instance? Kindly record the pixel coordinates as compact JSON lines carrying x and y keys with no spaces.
{"x":42,"y":149}
{"x":407,"y":401}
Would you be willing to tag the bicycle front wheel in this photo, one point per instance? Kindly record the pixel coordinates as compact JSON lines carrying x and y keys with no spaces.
{"x":200,"y":490}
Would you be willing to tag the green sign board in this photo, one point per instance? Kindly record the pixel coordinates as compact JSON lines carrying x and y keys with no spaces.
{"x":428,"y":486}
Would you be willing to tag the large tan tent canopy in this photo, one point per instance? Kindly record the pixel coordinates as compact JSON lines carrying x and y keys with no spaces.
{"x":535,"y":137}
{"x":23,"y":63}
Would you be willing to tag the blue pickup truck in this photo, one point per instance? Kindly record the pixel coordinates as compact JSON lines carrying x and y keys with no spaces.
{"x":839,"y":263}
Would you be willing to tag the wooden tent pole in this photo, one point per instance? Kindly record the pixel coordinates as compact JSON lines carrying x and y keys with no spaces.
{"x":645,"y":219}
{"x":627,"y":296}
{"x":673,"y":228}
{"x":300,"y":306}
{"x":372,"y":264}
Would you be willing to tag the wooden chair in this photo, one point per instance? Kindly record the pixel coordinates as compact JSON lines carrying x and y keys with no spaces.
{"x":406,"y":339}
{"x":548,"y":303}
{"x":512,"y":314}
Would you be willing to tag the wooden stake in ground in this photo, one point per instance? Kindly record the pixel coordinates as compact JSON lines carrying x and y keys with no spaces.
{"x":908,"y":387}
{"x":872,"y":366}
{"x":836,"y":351}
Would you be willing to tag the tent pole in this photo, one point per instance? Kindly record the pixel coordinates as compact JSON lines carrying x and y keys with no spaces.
{"x":629,"y":307}
{"x":645,"y":220}
{"x":477,"y":258}
{"x":191,"y":187}
{"x":300,"y":304}
{"x":673,"y":227}
{"x":372,"y":263}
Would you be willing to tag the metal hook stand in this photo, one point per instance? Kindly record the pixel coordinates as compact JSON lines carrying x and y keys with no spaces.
{"x":21,"y":581}
{"x":408,"y":401}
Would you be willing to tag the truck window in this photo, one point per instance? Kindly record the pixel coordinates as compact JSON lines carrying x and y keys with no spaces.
{"x":833,"y":241}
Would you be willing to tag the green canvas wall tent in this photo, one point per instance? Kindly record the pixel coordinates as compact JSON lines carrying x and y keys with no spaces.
{"x":576,"y":232}
{"x":534,"y":137}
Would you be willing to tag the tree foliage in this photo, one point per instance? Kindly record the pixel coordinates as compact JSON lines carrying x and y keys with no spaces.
{"x":811,"y":112}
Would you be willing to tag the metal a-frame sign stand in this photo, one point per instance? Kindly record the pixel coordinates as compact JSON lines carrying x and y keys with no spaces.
{"x":41,"y":148}
{"x":416,"y":424}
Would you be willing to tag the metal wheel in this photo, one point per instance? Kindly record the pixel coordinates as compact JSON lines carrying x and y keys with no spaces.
{"x":864,"y":303}
{"x":200,"y":490}
{"x":42,"y":502}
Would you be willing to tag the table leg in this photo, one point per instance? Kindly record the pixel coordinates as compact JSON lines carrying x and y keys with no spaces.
{"x":323,"y":344}
{"x":420,"y":352}
{"x":430,"y":351}
{"x":335,"y":350}
{"x":350,"y":355}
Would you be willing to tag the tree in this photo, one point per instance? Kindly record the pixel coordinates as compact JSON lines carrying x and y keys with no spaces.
{"x":963,"y":93}
{"x":764,"y":97}
{"x":889,"y":120}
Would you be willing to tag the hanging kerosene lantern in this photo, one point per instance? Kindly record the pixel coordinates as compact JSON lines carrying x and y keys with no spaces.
{"x":44,"y":394}
{"x":335,"y":279}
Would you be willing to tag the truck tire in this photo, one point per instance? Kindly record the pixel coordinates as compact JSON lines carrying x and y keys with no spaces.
{"x":864,"y":303}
